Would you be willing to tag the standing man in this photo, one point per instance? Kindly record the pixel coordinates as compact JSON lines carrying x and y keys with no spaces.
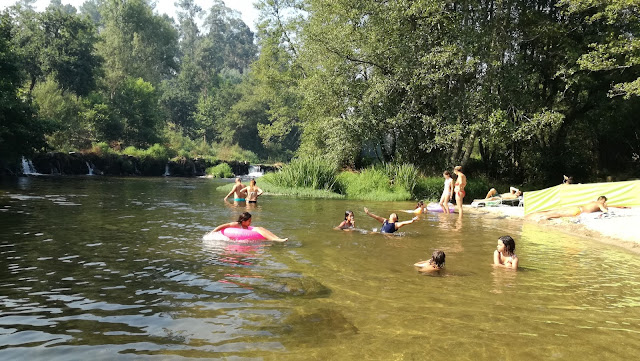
{"x":238,"y":192}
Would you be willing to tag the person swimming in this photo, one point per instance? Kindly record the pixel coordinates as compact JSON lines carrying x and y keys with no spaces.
{"x":349,"y":221}
{"x":389,"y":225}
{"x":244,"y":222}
{"x":420,"y":208}
{"x":504,"y":255}
{"x":436,"y":263}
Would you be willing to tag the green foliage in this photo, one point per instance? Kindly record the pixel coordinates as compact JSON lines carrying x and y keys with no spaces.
{"x":312,"y":172}
{"x":155,"y":152}
{"x":371,"y":184}
{"x":267,"y":185}
{"x":222,"y":170}
{"x":101,"y":148}
{"x":62,"y":110}
{"x":21,"y":132}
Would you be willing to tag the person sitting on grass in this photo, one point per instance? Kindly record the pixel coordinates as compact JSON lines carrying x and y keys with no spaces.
{"x":436,"y":263}
{"x":389,"y":225}
{"x":600,"y":205}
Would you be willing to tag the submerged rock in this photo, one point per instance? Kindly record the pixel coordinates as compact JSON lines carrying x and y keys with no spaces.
{"x":304,"y":287}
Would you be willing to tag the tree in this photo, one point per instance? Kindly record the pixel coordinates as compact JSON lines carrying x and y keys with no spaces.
{"x":21,"y":132}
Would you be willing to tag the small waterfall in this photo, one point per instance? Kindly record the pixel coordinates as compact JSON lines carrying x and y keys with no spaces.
{"x":90,"y":168}
{"x":255,"y":171}
{"x":27,"y":167}
{"x":166,"y":170}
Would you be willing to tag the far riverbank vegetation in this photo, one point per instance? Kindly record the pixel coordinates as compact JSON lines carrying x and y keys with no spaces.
{"x":359,"y":99}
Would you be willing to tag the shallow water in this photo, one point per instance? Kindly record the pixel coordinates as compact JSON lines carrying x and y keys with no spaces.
{"x":109,"y":268}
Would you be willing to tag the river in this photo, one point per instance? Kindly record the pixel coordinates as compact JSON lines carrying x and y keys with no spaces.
{"x":116,"y":268}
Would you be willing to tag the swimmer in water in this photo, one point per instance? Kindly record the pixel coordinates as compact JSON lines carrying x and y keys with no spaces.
{"x":504,"y":255}
{"x":436,"y":263}
{"x":389,"y":225}
{"x":420,"y":208}
{"x":348,"y":223}
{"x":244,"y":222}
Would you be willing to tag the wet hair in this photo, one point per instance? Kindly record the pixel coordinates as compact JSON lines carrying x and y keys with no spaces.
{"x":244,"y":217}
{"x":446,"y":172}
{"x":509,"y":244}
{"x":420,"y":203}
{"x":437,"y":258}
{"x":394,"y":214}
{"x":253,"y":182}
{"x":602,"y":197}
{"x":458,"y":168}
{"x":346,"y":214}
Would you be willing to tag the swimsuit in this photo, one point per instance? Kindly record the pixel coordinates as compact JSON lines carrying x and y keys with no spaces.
{"x":388,"y":227}
{"x":578,"y":211}
{"x":252,"y":201}
{"x":238,"y":199}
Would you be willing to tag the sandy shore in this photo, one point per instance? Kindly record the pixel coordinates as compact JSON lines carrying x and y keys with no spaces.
{"x":619,"y":227}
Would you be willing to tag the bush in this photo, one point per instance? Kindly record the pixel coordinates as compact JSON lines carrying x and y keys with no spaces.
{"x":370,"y":184}
{"x":314,"y":173}
{"x":222,"y":170}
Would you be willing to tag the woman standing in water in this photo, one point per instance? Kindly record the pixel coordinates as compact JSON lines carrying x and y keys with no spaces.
{"x":461,"y":182}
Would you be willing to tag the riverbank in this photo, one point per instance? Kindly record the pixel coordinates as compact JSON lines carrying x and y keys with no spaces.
{"x":617,"y":228}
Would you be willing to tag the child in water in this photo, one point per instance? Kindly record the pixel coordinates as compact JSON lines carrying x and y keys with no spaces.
{"x":447,"y":192}
{"x":436,"y":263}
{"x":389,"y":225}
{"x":349,"y":221}
{"x":419,"y":208}
{"x":504,"y":255}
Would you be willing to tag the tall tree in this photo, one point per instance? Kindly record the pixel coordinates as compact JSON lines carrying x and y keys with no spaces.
{"x":20,"y":130}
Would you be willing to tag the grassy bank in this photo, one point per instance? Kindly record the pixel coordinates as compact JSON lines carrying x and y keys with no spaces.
{"x":318,"y":178}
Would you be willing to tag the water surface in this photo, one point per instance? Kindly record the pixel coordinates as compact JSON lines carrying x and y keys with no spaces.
{"x":111,"y":268}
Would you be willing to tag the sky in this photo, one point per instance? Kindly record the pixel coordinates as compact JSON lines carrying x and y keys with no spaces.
{"x":248,"y":13}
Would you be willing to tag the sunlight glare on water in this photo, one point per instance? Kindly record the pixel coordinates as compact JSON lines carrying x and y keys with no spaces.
{"x":111,"y":268}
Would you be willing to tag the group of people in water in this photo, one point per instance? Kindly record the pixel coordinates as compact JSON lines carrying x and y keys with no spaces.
{"x":504,"y":255}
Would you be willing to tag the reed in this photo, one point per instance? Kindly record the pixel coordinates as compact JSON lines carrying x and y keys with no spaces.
{"x":312,"y":173}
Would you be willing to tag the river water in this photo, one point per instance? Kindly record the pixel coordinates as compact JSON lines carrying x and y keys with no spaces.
{"x":110,"y":268}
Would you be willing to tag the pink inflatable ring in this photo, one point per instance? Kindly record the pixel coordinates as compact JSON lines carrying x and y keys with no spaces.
{"x":242,"y":234}
{"x":435,"y":207}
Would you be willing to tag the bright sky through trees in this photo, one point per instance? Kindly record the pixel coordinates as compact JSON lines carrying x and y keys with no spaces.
{"x":245,"y":7}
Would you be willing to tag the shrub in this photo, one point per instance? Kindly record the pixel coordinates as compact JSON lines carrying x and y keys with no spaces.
{"x":222,"y":170}
{"x":157,"y":152}
{"x":314,"y":173}
{"x":370,"y":184}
